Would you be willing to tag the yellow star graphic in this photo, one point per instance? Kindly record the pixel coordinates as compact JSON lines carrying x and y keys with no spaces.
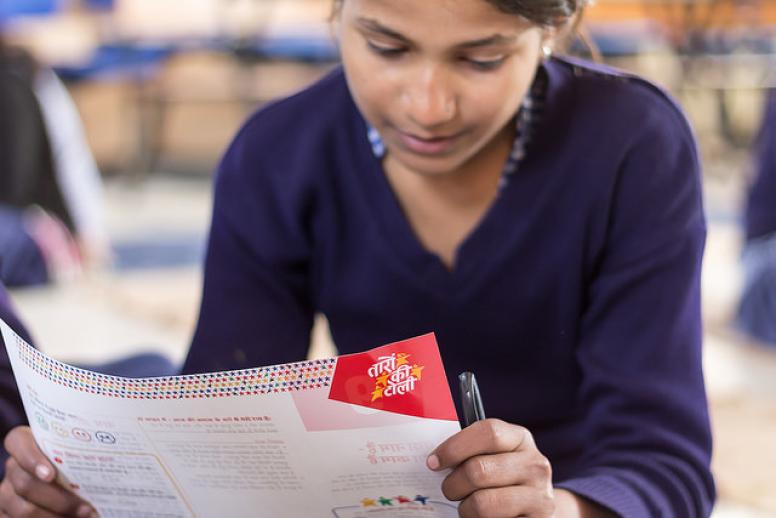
{"x":401,"y":359}
{"x":416,"y":370}
{"x":368,"y":502}
{"x":383,"y":380}
{"x":378,"y":393}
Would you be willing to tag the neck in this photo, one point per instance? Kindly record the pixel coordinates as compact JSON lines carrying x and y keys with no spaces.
{"x":444,"y":208}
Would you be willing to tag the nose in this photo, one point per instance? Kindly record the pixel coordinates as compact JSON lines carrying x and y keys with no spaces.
{"x":430,"y":99}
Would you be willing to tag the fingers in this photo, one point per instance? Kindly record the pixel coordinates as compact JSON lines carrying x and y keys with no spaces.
{"x":45,"y":495}
{"x":15,"y":505}
{"x":497,"y":470}
{"x":20,"y":444}
{"x":29,"y":487}
{"x":492,"y":471}
{"x":490,"y":436}
{"x":507,"y":502}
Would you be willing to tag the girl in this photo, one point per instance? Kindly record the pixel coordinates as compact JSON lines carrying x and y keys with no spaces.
{"x":541,"y":215}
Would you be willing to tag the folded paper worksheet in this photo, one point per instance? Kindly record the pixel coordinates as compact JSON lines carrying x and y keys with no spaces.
{"x":345,"y":437}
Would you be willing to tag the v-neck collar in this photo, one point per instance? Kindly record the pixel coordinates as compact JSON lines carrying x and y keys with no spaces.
{"x":426,"y":267}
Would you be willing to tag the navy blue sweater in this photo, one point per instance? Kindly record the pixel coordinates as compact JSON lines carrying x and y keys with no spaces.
{"x":575,"y":300}
{"x":11,"y":409}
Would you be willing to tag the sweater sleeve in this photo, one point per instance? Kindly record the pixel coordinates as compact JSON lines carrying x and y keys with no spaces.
{"x":11,"y":408}
{"x":645,"y":411}
{"x":256,"y":308}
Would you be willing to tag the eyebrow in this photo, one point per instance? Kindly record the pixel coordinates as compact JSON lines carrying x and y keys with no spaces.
{"x":496,"y":39}
{"x":373,"y":25}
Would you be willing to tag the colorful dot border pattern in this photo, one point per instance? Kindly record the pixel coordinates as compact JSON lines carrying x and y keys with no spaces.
{"x":292,"y":377}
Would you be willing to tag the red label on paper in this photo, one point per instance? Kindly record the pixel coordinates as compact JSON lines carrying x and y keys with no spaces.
{"x":404,"y":377}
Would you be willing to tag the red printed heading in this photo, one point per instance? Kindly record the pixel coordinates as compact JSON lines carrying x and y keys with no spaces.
{"x":405,"y":377}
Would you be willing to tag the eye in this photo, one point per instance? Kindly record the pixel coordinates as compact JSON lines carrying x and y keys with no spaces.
{"x":385,"y":50}
{"x":484,"y":65}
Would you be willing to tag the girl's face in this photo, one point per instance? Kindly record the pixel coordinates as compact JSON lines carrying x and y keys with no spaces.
{"x":439,"y":79}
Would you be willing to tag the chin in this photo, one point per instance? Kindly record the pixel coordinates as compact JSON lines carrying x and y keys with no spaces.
{"x":430,"y":166}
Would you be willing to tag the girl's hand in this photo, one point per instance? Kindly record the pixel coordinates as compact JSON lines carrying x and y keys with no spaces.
{"x":29,"y":487}
{"x":497,"y":471}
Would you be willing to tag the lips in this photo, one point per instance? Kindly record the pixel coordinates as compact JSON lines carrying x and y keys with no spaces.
{"x":427,"y":145}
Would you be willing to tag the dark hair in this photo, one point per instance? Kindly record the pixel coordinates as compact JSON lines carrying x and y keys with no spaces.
{"x":548,"y":13}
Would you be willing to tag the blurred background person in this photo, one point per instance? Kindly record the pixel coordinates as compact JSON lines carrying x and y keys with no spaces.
{"x":757,"y":309}
{"x":51,"y":202}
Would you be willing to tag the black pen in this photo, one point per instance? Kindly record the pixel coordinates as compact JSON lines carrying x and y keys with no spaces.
{"x":471,"y":401}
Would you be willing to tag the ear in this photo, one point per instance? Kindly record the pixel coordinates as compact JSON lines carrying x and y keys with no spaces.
{"x":549,"y":40}
{"x":335,"y":21}
{"x":335,"y":28}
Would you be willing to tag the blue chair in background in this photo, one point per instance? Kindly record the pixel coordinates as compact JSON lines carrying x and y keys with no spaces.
{"x":312,"y":49}
{"x":10,"y":9}
{"x":99,"y":5}
{"x":119,"y":61}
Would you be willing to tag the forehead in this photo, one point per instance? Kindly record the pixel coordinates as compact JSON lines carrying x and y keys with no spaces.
{"x":452,"y":20}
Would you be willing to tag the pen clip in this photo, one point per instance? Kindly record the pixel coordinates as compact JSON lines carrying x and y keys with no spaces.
{"x":471,"y":401}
